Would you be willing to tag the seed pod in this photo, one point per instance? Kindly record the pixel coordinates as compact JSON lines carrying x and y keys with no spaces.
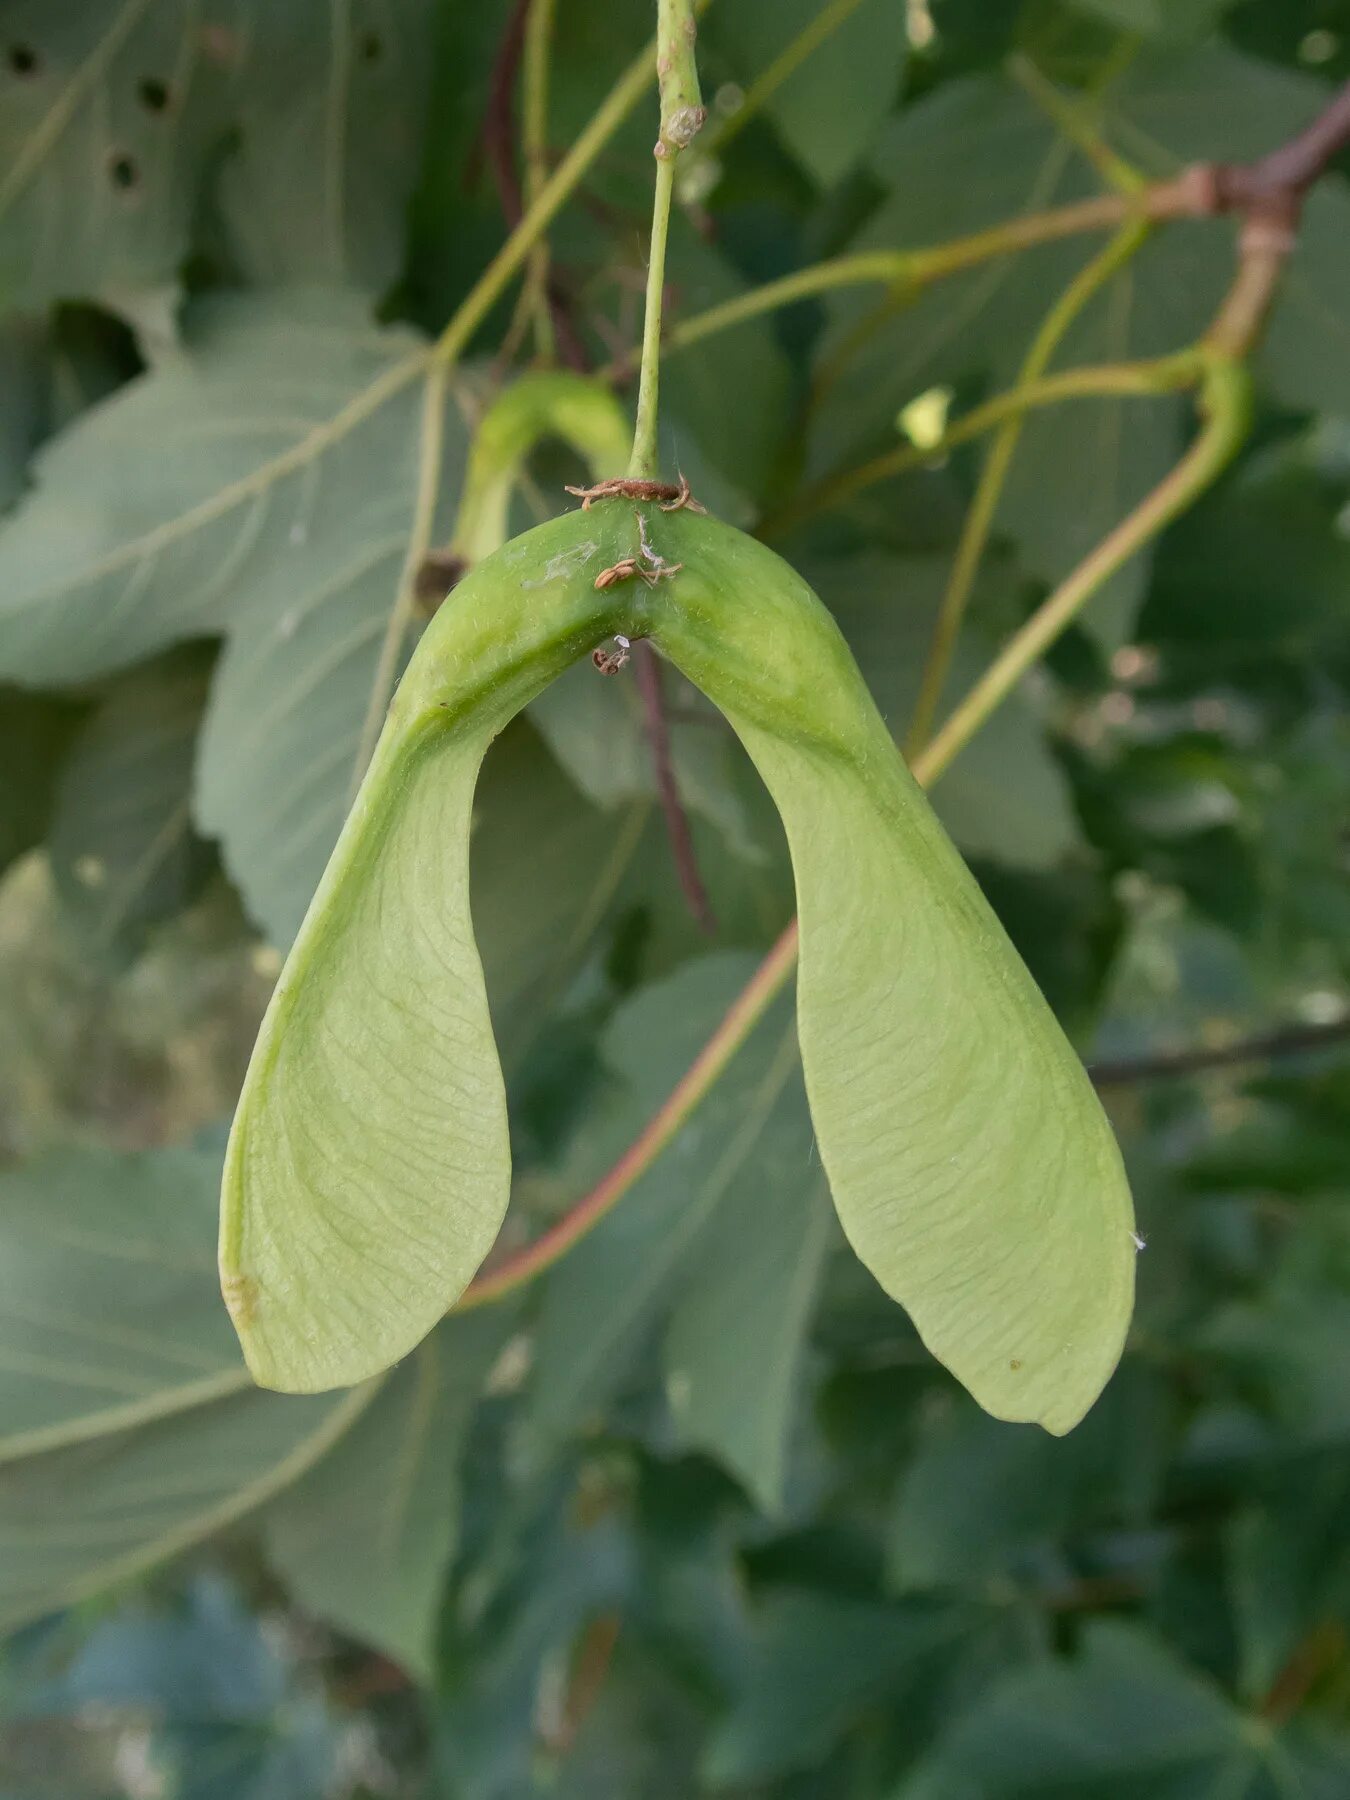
{"x":971,"y":1165}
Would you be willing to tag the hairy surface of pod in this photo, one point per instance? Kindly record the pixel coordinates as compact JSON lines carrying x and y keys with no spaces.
{"x":968,"y":1157}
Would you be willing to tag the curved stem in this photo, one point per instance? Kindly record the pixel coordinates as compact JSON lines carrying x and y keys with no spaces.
{"x":908,"y":271}
{"x":1227,"y":411}
{"x":612,"y":112}
{"x":1225,"y":401}
{"x":1150,"y":376}
{"x":979,"y":519}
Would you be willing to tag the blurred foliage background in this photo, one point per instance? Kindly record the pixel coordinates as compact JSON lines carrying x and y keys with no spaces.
{"x":694,"y":1514}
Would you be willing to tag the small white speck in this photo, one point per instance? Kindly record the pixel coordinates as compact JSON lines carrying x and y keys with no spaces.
{"x":286,"y":626}
{"x":1140,"y":1243}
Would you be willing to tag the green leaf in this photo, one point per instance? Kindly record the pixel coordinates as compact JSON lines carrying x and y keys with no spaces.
{"x":609,"y":1294}
{"x":730,"y":453}
{"x":121,"y":842}
{"x":240,"y":477}
{"x":818,"y":1664}
{"x":1125,"y":1717}
{"x":829,"y":108}
{"x":736,"y":1339}
{"x":327,"y":137}
{"x":724,"y":1238}
{"x":116,"y":111}
{"x":260,"y":485}
{"x":1167,"y":19}
{"x":979,"y":1497}
{"x":35,"y":731}
{"x":365,"y":1538}
{"x":601,"y":739}
{"x":131,"y":1429}
{"x":969,"y":1160}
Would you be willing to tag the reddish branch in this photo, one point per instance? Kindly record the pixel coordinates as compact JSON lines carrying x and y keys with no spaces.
{"x":647,"y":669}
{"x":497,"y":146}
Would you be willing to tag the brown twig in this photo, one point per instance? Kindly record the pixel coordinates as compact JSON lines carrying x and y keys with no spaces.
{"x":1268,"y":1046}
{"x":647,"y":669}
{"x":497,"y":136}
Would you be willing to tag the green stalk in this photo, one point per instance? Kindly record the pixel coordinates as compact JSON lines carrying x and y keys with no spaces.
{"x":1169,"y":374}
{"x":979,"y":520}
{"x":645,"y":460}
{"x":534,"y":154}
{"x":682,"y":115}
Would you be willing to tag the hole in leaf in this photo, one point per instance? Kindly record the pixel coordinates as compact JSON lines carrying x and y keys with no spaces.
{"x":22,"y":59}
{"x":123,"y":171}
{"x":371,"y":47}
{"x":153,"y":94}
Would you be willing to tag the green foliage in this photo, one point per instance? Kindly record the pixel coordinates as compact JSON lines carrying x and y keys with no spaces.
{"x":695,"y":1513}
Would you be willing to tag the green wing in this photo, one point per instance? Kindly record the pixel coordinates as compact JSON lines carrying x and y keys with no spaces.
{"x":969,"y":1159}
{"x":369,"y":1164}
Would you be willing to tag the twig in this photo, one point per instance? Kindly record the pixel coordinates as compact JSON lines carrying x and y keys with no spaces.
{"x":979,"y":520}
{"x":1149,"y":376}
{"x":497,"y":136}
{"x":647,"y":669}
{"x":1227,"y":404}
{"x":1204,"y":190}
{"x":1268,"y":1046}
{"x":539,"y":298}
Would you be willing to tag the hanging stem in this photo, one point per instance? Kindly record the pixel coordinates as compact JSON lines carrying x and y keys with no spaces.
{"x":682,"y":116}
{"x":1170,"y":374}
{"x":534,"y":148}
{"x":979,"y":520}
{"x":644,"y":463}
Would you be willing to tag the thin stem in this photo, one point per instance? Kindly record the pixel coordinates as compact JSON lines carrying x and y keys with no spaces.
{"x":909,"y":271}
{"x":644,"y":463}
{"x":431,"y":447}
{"x":450,"y":345}
{"x":1266,"y":1046}
{"x":534,"y":152}
{"x":647,"y":669}
{"x":979,"y":519}
{"x":1070,"y":116}
{"x":1226,"y":403}
{"x":826,"y":22}
{"x":616,"y":107}
{"x":737,"y":1024}
{"x":1152,"y":376}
